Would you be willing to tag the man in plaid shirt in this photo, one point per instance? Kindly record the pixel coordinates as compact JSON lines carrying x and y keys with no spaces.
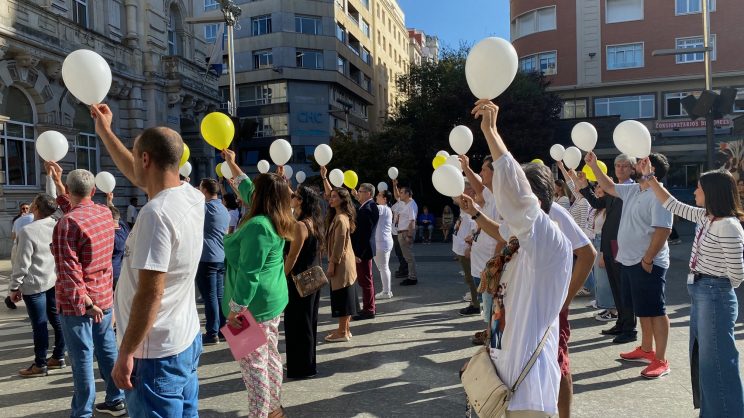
{"x":82,"y":245}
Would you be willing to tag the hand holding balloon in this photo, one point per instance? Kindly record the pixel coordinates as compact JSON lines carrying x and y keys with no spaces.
{"x":466,"y":203}
{"x":102,"y":116}
{"x":646,"y":167}
{"x":488,"y":112}
{"x":590,"y":159}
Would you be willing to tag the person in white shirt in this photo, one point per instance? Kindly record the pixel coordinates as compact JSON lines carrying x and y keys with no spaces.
{"x":24,"y":218}
{"x":402,"y":271}
{"x":535,"y":279}
{"x":464,"y":228}
{"x":155,"y":301}
{"x":132,"y":212}
{"x":406,"y":230}
{"x":384,"y":242}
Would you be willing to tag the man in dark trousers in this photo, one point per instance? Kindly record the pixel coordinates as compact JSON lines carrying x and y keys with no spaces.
{"x":624,"y":329}
{"x":363,"y":243}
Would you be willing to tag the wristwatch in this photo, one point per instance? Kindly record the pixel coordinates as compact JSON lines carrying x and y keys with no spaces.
{"x":89,"y":307}
{"x":477,"y":215}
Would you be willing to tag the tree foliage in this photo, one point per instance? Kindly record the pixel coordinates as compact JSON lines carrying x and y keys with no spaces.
{"x":437,"y":98}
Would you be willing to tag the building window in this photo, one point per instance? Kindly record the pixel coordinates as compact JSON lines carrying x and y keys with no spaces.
{"x":624,"y":56}
{"x":367,"y":83}
{"x":115,"y":14}
{"x":340,"y":32}
{"x":261,"y":25}
{"x":573,"y":109}
{"x":695,"y":42}
{"x":623,"y":10}
{"x":86,"y":152}
{"x":739,"y":101}
{"x":545,"y":62}
{"x":365,"y":3}
{"x":17,"y":139}
{"x":270,"y":125}
{"x":309,"y":25}
{"x":211,"y":5}
{"x":309,"y":58}
{"x":261,"y":94}
{"x":174,"y":40}
{"x":210,"y":32}
{"x":364,"y":26}
{"x":262,"y":59}
{"x":535,"y":21}
{"x":366,"y":57}
{"x":684,"y":7}
{"x":673,"y":104}
{"x":80,"y":12}
{"x":628,"y":107}
{"x":341,"y":65}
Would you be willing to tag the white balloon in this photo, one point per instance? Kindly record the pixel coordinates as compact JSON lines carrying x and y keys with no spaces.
{"x":336,"y":177}
{"x":393,"y":173}
{"x":461,"y":139}
{"x":185,"y":169}
{"x":288,"y":171}
{"x":263,"y":166}
{"x":454,"y":162}
{"x":556,"y":151}
{"x":584,"y":136}
{"x":280,"y":151}
{"x":52,"y":146}
{"x":632,"y":138}
{"x":491,"y":67}
{"x":448,"y":180}
{"x":323,"y":154}
{"x":572,"y":158}
{"x":443,"y":153}
{"x":300,"y":177}
{"x":225,"y":170}
{"x":382,"y":186}
{"x":87,"y":75}
{"x":105,"y":182}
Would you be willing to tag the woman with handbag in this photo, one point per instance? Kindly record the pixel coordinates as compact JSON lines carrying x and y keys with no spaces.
{"x":301,"y":313}
{"x":716,"y":269}
{"x":254,"y":280}
{"x":341,"y":262}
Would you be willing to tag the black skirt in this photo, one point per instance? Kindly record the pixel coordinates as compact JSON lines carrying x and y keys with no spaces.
{"x":344,"y":301}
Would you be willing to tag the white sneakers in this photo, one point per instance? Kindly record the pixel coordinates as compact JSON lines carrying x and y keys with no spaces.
{"x":384,"y":295}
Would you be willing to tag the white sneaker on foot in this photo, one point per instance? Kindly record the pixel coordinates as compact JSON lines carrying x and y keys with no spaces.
{"x":467,"y":297}
{"x":384,"y":295}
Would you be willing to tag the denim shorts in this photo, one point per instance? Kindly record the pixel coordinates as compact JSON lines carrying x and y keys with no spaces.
{"x":644,"y":290}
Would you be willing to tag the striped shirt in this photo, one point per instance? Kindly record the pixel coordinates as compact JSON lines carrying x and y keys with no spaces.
{"x":82,"y":245}
{"x":717,"y":248}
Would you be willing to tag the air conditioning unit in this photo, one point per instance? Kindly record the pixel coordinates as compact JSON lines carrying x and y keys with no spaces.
{"x":550,"y":70}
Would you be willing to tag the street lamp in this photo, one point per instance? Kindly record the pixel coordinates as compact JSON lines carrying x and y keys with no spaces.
{"x":706,"y":50}
{"x":230,"y":13}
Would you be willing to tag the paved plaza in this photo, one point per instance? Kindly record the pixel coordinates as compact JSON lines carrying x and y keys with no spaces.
{"x":404,"y":363}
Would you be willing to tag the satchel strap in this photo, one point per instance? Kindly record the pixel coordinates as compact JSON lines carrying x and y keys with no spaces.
{"x":529,"y":364}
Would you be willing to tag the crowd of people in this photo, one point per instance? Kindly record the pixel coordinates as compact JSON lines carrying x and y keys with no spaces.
{"x":124,"y":290}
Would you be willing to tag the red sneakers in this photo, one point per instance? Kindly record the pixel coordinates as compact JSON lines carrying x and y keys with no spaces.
{"x":639,"y":355}
{"x":656,"y":369}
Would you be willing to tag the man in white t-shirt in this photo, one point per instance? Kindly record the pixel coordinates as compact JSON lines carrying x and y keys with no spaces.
{"x":402,"y":271}
{"x":406,"y":224}
{"x":155,"y":302}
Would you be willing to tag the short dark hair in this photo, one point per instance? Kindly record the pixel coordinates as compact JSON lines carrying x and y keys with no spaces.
{"x":387,"y":195}
{"x":231,"y":202}
{"x":45,"y":204}
{"x":407,"y":190}
{"x":115,"y":213}
{"x":132,"y":200}
{"x":660,"y":164}
{"x":541,"y":182}
{"x":163,"y":145}
{"x":210,"y":185}
{"x":489,"y":159}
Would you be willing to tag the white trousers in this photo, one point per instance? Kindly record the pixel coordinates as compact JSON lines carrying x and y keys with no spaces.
{"x":382,"y":261}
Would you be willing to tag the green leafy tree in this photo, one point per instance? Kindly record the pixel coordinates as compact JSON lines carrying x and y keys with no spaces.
{"x":437,"y":98}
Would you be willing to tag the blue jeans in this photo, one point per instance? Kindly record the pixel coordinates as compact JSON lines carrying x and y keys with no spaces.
{"x":602,"y":289}
{"x":166,"y":387}
{"x":42,"y":309}
{"x":714,"y":360}
{"x":210,"y":279}
{"x":84,"y":338}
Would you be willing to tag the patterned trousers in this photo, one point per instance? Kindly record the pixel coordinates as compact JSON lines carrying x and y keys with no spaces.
{"x":262,"y":373}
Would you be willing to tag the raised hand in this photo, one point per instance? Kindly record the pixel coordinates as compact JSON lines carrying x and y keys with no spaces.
{"x":590,"y":159}
{"x":228,"y":155}
{"x":323,"y":171}
{"x":488,"y":112}
{"x":464,"y":162}
{"x":467,"y":204}
{"x":102,"y":116}
{"x":646,"y":167}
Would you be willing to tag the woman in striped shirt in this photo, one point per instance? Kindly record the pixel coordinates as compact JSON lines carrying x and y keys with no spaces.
{"x":715,"y":270}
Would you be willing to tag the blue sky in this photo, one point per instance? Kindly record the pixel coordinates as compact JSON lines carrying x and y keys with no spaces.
{"x":454,"y":21}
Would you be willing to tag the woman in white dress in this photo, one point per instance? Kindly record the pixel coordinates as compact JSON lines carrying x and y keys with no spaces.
{"x":384,"y":242}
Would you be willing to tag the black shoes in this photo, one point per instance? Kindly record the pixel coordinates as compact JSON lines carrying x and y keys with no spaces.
{"x":118,"y":409}
{"x":401,"y":275}
{"x":626,"y":337}
{"x":612,"y":331}
{"x":408,"y":282}
{"x":210,"y":340}
{"x":9,"y":303}
{"x":469,"y":310}
{"x":362,"y":316}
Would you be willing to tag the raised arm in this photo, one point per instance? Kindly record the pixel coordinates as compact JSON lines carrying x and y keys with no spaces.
{"x":122,"y":157}
{"x":326,"y":184}
{"x":603,"y":179}
{"x":669,"y":202}
{"x":473,"y":179}
{"x":54,"y":173}
{"x":487,"y":225}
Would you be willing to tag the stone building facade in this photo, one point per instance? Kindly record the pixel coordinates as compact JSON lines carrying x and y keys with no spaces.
{"x":159,"y":78}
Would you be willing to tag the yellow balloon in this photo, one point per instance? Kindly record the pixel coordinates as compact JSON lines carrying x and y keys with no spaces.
{"x":538,"y":161}
{"x":438,"y":160}
{"x":185,"y":156}
{"x":590,"y":174}
{"x":218,"y":171}
{"x":218,"y":130}
{"x":351,"y":179}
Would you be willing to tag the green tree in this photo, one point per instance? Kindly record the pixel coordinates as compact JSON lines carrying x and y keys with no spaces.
{"x":437,"y":98}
